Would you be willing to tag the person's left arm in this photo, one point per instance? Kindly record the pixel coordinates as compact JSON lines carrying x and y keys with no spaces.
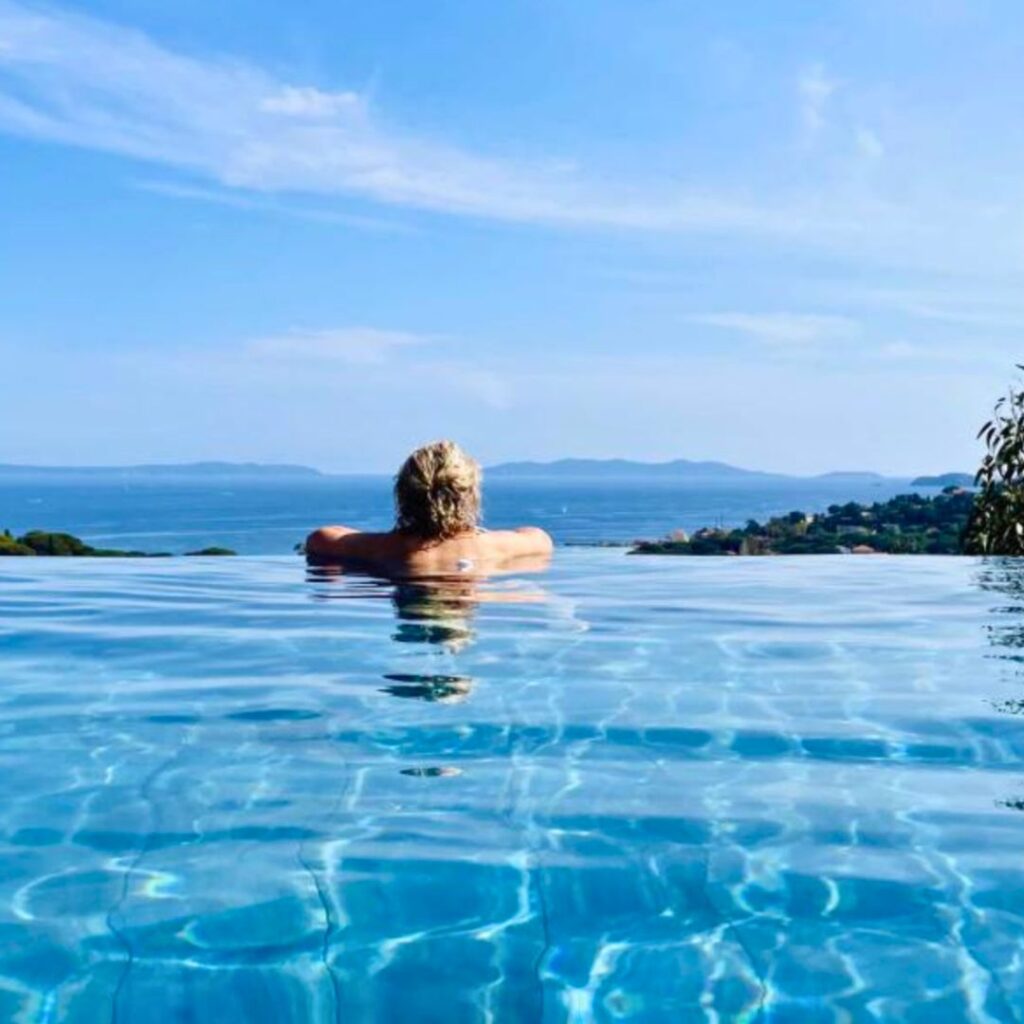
{"x":526,"y":544}
{"x":529,"y":542}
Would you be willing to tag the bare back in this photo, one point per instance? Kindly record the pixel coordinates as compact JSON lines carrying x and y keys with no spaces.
{"x":398,"y":550}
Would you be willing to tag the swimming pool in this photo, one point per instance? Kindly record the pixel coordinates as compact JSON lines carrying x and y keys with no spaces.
{"x":629,"y":789}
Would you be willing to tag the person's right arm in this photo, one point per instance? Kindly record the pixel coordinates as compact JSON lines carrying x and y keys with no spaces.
{"x":345,"y":542}
{"x":325,"y":541}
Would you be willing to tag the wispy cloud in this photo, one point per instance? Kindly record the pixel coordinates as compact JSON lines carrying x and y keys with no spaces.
{"x":815,"y":89}
{"x":831,"y":125}
{"x":782,"y":328}
{"x":297,"y":101}
{"x":869,"y":145}
{"x":844,"y":341}
{"x":991,"y":305}
{"x":965,"y":354}
{"x":425,"y":359}
{"x":263,"y":204}
{"x":1006,"y":319}
{"x":353,"y":345}
{"x":83,"y":82}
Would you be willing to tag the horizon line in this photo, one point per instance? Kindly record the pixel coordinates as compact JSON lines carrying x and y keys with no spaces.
{"x":211,"y":465}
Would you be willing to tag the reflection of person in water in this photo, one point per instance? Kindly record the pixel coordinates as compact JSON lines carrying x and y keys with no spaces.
{"x":431,"y":687}
{"x":431,"y":609}
{"x":440,"y":609}
{"x":435,"y":611}
{"x":437,"y":526}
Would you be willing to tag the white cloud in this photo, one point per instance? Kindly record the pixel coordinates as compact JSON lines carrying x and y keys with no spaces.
{"x":782,"y":328}
{"x":231,"y":128}
{"x":353,"y":345}
{"x":249,"y":201}
{"x":973,"y":353}
{"x":295,"y":101}
{"x":815,"y":89}
{"x":869,"y":145}
{"x":830,"y":126}
{"x":83,"y":82}
{"x":325,"y":353}
{"x":903,"y":349}
{"x":995,"y":303}
{"x":214,"y":403}
{"x":1001,"y":319}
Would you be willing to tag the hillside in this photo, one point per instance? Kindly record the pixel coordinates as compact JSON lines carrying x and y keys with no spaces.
{"x":944,"y":480}
{"x":909,"y":524}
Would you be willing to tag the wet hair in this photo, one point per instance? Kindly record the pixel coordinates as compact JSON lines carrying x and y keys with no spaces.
{"x":437,"y":492}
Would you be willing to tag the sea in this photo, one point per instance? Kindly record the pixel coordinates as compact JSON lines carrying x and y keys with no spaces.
{"x":272,"y":516}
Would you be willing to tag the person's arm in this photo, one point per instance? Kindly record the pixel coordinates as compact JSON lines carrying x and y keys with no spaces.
{"x":526,"y":542}
{"x":334,"y":542}
{"x":535,"y":540}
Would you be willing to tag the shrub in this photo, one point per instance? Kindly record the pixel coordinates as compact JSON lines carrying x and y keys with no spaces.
{"x":996,"y":525}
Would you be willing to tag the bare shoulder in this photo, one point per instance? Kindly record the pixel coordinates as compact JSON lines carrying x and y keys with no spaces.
{"x":343,"y":543}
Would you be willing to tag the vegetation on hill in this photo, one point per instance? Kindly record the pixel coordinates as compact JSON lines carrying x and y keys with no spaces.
{"x":907,"y":525}
{"x":62,"y":545}
{"x":944,"y":480}
{"x":11,"y":546}
{"x":66,"y":545}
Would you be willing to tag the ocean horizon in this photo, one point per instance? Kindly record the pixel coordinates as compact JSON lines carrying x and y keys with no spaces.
{"x":267,"y":517}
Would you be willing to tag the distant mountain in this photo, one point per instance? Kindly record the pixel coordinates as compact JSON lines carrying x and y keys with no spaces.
{"x":624,"y":469}
{"x":850,"y":474}
{"x":178,"y":471}
{"x":561,"y":469}
{"x":944,"y":480}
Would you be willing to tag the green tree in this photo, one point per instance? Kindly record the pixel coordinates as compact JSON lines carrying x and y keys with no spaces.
{"x":996,"y":525}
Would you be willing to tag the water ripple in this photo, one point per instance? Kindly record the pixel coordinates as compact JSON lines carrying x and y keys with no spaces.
{"x":711,"y":790}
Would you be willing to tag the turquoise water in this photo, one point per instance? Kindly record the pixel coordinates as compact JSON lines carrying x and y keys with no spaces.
{"x":652,"y":790}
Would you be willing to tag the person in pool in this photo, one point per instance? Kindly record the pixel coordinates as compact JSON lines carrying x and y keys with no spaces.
{"x":437,"y":528}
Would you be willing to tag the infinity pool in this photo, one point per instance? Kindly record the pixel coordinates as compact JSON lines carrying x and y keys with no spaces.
{"x":657,"y":790}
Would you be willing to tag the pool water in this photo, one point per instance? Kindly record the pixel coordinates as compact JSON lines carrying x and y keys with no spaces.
{"x":627,"y":789}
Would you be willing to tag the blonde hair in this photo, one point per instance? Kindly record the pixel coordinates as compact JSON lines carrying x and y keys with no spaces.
{"x":437,"y":492}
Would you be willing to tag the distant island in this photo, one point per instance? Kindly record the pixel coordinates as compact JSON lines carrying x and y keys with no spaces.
{"x":685,"y":470}
{"x":65,"y":545}
{"x":906,"y":525}
{"x":858,"y":475}
{"x":627,"y":469}
{"x":677,"y":469}
{"x":944,"y":480}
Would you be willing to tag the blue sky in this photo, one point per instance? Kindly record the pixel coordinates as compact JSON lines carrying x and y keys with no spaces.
{"x":787,"y":235}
